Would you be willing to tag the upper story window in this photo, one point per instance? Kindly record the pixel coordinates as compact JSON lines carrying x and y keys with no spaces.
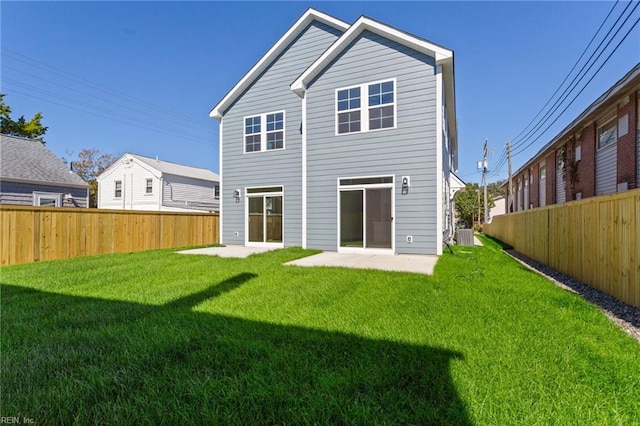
{"x":267,"y":128}
{"x":118,"y":189}
{"x":374,"y":111}
{"x":216,"y":192}
{"x":149,"y":186}
{"x":607,"y":134}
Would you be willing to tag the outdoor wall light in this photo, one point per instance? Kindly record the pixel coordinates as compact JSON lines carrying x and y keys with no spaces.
{"x":236,"y":195}
{"x":406,"y":183}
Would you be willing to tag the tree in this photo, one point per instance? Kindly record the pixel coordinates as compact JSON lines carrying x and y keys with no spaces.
{"x":89,"y":165}
{"x":470,"y":203}
{"x":32,"y":129}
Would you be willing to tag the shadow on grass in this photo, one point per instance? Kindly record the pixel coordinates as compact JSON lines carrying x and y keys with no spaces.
{"x":69,"y":359}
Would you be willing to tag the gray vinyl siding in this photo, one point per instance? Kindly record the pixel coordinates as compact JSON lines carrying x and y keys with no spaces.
{"x":19,"y":193}
{"x":187,"y":193}
{"x":271,"y":92}
{"x":606,"y":169}
{"x":407,"y":150}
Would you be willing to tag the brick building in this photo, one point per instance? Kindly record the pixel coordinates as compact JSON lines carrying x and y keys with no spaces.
{"x":598,"y":153}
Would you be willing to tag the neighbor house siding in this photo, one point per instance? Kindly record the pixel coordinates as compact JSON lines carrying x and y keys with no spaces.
{"x":408,"y":150}
{"x":134,"y":178}
{"x":20,"y":193}
{"x":271,"y":92}
{"x":187,"y":193}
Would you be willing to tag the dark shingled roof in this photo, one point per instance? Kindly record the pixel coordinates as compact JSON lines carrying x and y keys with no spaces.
{"x":29,"y":160}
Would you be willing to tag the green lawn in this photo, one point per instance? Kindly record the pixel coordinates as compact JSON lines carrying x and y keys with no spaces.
{"x":162,"y":338}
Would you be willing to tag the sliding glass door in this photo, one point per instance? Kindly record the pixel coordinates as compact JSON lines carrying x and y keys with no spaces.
{"x":264,"y":215}
{"x":366,"y":213}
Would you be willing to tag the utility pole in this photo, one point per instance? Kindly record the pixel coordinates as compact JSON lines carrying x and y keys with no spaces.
{"x":510,"y":203}
{"x":484,"y":178}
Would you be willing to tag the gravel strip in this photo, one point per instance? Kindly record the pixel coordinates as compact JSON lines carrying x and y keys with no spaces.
{"x":624,"y":316}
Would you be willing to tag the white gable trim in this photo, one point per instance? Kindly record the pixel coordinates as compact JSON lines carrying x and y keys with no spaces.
{"x":307,"y":18}
{"x":440,"y":54}
{"x":123,"y":160}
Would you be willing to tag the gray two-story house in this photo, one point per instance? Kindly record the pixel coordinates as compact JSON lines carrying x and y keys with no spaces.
{"x":342,"y":137}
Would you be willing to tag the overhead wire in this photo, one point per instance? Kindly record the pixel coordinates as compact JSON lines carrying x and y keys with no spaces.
{"x":70,"y":76}
{"x":584,"y":87}
{"x":518,"y":145}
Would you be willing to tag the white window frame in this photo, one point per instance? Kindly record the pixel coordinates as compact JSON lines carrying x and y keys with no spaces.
{"x":263,"y":194}
{"x":38,"y":196}
{"x":115,"y":189}
{"x":148,"y":189}
{"x":612,"y":122}
{"x":365,"y":107}
{"x":263,"y":132}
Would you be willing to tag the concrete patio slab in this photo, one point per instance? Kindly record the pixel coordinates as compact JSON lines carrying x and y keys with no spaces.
{"x":228,"y":251}
{"x":397,"y":263}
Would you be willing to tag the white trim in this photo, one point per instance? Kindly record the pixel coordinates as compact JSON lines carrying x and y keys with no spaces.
{"x":37,"y":196}
{"x":363,"y":24}
{"x":365,"y":107}
{"x":263,"y":131}
{"x":439,"y":170}
{"x":364,"y":187}
{"x":222,"y":193}
{"x":296,"y":29}
{"x":248,"y":243}
{"x":304,"y":171}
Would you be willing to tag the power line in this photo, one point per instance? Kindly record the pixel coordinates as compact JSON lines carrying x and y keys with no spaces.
{"x":65,"y":74}
{"x":96,"y":108}
{"x":569,"y":73}
{"x":153,"y":129}
{"x":574,"y":83}
{"x":585,"y":86}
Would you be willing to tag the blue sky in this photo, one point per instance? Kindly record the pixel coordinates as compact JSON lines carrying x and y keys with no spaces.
{"x":141,"y":77}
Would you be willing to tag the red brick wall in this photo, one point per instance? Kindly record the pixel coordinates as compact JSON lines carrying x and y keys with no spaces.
{"x":586,"y":182}
{"x":533,"y":187}
{"x":551,"y":178}
{"x":627,"y":151}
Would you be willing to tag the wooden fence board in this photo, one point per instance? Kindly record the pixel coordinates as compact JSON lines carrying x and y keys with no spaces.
{"x":596,"y":240}
{"x":31,"y":234}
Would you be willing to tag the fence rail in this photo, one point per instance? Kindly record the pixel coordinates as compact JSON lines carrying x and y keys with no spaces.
{"x":596,"y":240}
{"x":31,"y":234}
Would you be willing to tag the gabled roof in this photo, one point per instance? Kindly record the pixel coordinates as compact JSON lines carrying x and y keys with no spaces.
{"x":28,"y":160}
{"x":442,"y":56}
{"x":605,"y":100}
{"x":166,"y":167}
{"x":298,"y":27}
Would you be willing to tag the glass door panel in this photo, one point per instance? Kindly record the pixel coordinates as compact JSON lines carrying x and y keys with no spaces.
{"x":378,"y":216}
{"x":256,"y":219}
{"x":351,"y":218}
{"x":274,"y":219}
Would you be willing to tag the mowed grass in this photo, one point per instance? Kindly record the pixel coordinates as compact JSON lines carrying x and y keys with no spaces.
{"x":163,"y":338}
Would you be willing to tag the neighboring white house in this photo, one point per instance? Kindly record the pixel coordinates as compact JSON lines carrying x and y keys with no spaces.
{"x":134,"y":182}
{"x":500,"y":204}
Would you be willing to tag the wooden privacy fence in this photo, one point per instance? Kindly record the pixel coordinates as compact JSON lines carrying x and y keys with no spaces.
{"x":596,"y":240}
{"x":31,"y":234}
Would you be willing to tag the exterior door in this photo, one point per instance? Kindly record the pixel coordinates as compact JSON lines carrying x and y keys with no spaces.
{"x":366,"y":215}
{"x":264,"y":218}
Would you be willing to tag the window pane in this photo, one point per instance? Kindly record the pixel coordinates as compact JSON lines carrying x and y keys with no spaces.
{"x":607,"y":135}
{"x":387,"y":87}
{"x":275,"y":140}
{"x":343,"y":95}
{"x":252,"y":143}
{"x":342,"y":105}
{"x":268,"y":189}
{"x":381,"y":118}
{"x":252,"y":125}
{"x":354,"y":103}
{"x":349,"y":122}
